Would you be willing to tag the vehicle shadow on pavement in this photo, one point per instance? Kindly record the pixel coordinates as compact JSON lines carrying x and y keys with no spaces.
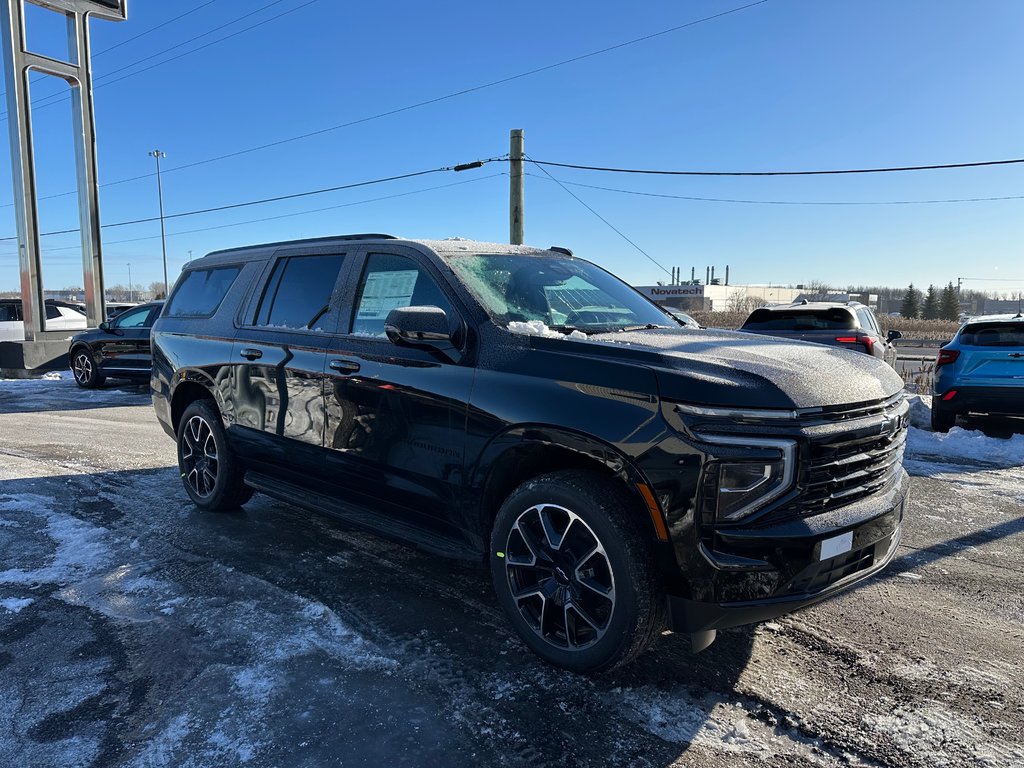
{"x":950,"y":548}
{"x":144,"y":630}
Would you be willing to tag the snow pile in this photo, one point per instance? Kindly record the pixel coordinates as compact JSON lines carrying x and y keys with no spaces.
{"x":920,"y":411}
{"x":966,"y":446}
{"x":537,"y":328}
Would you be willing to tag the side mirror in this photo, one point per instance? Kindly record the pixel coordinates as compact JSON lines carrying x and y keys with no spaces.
{"x":105,"y":326}
{"x":893,"y":335}
{"x":419,"y":327}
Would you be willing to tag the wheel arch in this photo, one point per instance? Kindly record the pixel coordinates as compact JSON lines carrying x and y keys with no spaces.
{"x":524,"y":452}
{"x":185,"y":393}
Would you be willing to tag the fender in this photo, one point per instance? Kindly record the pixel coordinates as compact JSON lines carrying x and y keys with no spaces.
{"x":505,"y":454}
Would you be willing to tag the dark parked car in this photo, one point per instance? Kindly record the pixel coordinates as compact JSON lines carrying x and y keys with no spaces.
{"x":119,"y":348}
{"x":617,"y":473}
{"x":980,"y":371}
{"x":849,"y":325}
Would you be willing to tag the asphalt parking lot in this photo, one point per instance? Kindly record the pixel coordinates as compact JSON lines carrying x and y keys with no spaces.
{"x":136,"y":631}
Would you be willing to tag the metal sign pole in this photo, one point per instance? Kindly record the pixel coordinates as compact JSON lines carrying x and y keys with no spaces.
{"x":19,"y":63}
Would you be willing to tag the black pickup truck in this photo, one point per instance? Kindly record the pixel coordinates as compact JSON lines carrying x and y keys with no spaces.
{"x":523,"y":408}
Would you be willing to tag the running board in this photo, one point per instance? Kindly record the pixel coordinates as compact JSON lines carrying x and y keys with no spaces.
{"x":429,"y":541}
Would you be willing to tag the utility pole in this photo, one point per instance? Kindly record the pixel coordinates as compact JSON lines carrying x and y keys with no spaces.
{"x":131,"y":295}
{"x":515,"y":200}
{"x":160,"y":194}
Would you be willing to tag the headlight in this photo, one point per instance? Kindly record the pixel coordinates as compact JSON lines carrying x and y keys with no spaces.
{"x":739,"y":488}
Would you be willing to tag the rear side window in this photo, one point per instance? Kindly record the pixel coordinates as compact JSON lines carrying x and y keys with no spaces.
{"x":298,"y":294}
{"x":52,"y":312}
{"x":10,"y":313}
{"x":993,"y":335}
{"x":867,"y":320}
{"x":201,"y":292}
{"x":834,"y":319}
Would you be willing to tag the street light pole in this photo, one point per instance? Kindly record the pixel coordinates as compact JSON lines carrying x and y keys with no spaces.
{"x":160,"y":193}
{"x":131,"y":296}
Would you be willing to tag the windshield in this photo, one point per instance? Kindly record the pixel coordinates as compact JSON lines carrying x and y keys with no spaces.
{"x":565,"y":294}
{"x":832,"y":319}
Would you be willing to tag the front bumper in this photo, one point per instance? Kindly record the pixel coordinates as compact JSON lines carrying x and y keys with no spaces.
{"x":781,"y":569}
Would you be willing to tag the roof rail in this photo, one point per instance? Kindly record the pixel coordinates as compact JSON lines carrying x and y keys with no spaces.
{"x":305,"y":241}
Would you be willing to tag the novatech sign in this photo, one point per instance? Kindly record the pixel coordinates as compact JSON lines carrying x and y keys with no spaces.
{"x":657,"y":292}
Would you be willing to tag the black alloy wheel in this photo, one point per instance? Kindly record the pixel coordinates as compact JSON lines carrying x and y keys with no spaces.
{"x":84,"y":369}
{"x":199,"y":456}
{"x":211,"y":473}
{"x":560,"y":577}
{"x":572,"y":564}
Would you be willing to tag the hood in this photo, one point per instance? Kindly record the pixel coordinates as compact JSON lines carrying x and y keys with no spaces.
{"x":725,"y":368}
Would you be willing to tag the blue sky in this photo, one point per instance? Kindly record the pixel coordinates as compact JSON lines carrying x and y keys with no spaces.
{"x":789,"y":84}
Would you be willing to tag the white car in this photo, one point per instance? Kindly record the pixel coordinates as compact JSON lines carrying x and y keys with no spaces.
{"x":60,"y":316}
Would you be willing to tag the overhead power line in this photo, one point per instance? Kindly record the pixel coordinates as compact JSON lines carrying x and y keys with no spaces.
{"x":611,"y":226}
{"x":97,"y":54}
{"x":897,"y":169}
{"x":783,"y":202}
{"x":104,"y":80}
{"x":262,"y":201}
{"x":416,"y":105}
{"x":283,"y":215}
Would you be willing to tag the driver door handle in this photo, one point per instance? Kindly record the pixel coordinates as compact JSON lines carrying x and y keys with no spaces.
{"x":344,"y":366}
{"x":250,"y":353}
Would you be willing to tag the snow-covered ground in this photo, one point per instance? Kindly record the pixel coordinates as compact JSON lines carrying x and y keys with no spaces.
{"x":135,"y":631}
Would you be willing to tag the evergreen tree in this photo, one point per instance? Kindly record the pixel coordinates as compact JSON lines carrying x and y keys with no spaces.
{"x":931,"y":308}
{"x":950,"y":308}
{"x":911,"y":306}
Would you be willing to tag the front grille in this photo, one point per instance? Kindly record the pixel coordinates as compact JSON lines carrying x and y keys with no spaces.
{"x":841,"y":469}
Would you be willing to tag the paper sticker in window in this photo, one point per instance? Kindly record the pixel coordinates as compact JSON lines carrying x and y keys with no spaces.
{"x":384,"y":291}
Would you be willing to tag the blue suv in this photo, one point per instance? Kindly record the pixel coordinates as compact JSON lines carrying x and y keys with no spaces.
{"x":980,"y":371}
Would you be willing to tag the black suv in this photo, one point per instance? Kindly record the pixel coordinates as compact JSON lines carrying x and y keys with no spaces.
{"x":850,"y":325}
{"x":523,"y":407}
{"x":119,"y":348}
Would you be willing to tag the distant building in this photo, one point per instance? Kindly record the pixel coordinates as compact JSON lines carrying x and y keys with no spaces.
{"x":718,"y":298}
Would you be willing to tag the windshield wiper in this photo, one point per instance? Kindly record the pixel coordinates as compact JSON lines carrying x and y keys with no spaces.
{"x":646,"y":327}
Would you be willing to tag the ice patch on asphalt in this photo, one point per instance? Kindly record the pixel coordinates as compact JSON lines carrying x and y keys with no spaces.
{"x":15,"y":604}
{"x":79,"y":547}
{"x":944,"y":736}
{"x":721,"y":724}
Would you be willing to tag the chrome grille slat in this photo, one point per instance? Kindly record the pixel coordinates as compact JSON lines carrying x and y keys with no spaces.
{"x":839,"y":470}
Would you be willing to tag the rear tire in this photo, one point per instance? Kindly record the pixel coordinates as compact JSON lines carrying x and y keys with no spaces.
{"x":210,"y":471}
{"x":85,"y":370}
{"x":574,"y":571}
{"x":942,"y":421}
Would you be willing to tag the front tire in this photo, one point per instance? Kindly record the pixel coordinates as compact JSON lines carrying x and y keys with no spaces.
{"x":85,"y":370}
{"x":942,"y":421}
{"x":574,"y":571}
{"x":210,"y":470}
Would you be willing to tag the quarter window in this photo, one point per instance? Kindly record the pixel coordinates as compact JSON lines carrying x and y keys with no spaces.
{"x":389,"y":282}
{"x":201,"y":292}
{"x":298,"y":294}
